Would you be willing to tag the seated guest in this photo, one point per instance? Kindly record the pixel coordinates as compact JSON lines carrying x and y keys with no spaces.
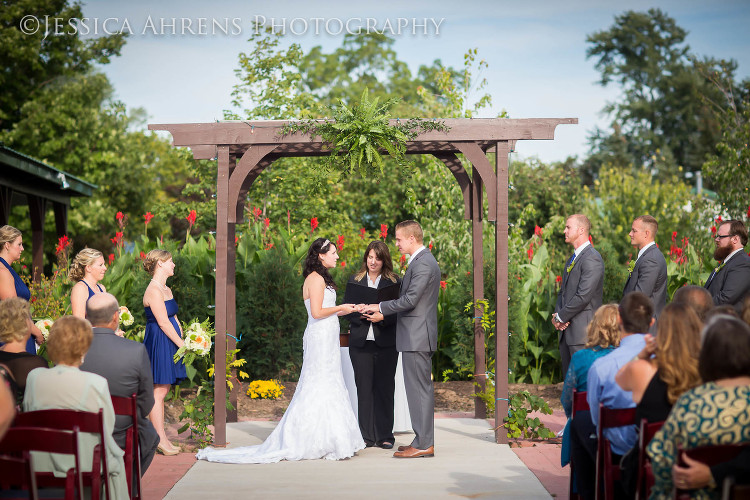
{"x":716,"y":412}
{"x":636,"y":315}
{"x":67,"y":387}
{"x":663,"y":370}
{"x":746,"y":311}
{"x":126,"y":367}
{"x":15,"y":330}
{"x":696,"y":297}
{"x":725,"y":309}
{"x":603,"y":335}
{"x":7,"y":405}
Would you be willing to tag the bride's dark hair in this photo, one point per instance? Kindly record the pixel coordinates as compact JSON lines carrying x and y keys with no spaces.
{"x":312,"y":261}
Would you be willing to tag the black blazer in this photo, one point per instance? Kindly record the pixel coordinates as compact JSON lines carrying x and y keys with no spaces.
{"x":384,"y":331}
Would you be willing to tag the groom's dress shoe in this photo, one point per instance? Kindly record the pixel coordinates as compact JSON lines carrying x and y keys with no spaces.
{"x":403,"y":448}
{"x":412,"y":452}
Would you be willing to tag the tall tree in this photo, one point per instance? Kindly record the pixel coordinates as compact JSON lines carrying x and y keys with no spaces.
{"x":660,"y":122}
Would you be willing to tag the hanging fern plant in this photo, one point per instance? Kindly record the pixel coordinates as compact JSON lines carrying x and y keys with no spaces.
{"x":359,"y":135}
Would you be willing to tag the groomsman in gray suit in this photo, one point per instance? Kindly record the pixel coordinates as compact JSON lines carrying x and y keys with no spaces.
{"x":649,"y":272}
{"x":581,"y":291}
{"x":416,"y":335}
{"x":729,"y":283}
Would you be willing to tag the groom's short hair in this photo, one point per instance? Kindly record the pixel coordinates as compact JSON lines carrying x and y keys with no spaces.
{"x":411,"y":228}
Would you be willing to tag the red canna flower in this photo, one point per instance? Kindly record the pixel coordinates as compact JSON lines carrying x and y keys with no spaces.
{"x":119,"y":216}
{"x":718,"y":219}
{"x":674,"y":236}
{"x":117,"y":240}
{"x":430,"y":246}
{"x":191,"y":217}
{"x":468,"y":273}
{"x":313,"y":224}
{"x":538,"y":231}
{"x":269,"y":246}
{"x":530,"y":251}
{"x":558,"y":279}
{"x":591,"y":240}
{"x":257,"y":212}
{"x":362,"y":233}
{"x":147,"y":217}
{"x":713,"y":231}
{"x":111,"y":258}
{"x":340,"y":242}
{"x":383,"y":230}
{"x":343,"y":263}
{"x":62,"y":243}
{"x":143,"y":255}
{"x":402,"y":260}
{"x":266,"y":223}
{"x":443,"y":285}
{"x":236,"y":240}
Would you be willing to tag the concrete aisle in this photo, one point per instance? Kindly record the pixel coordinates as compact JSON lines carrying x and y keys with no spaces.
{"x":467,"y":464}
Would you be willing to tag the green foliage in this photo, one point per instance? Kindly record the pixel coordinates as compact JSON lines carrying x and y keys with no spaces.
{"x":199,"y":413}
{"x":49,"y":296}
{"x":520,"y":424}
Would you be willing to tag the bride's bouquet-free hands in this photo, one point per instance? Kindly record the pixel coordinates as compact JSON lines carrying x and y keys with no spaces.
{"x":197,"y":337}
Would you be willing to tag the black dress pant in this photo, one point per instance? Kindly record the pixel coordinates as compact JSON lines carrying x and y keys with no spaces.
{"x":374,"y":374}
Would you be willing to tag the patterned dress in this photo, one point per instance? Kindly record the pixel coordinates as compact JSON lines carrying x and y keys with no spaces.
{"x":706,"y":415}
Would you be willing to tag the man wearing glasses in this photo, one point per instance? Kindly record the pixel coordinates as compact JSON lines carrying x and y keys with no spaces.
{"x":729,"y":283}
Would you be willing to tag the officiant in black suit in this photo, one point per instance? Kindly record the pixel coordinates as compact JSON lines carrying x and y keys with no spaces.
{"x":372,"y":349}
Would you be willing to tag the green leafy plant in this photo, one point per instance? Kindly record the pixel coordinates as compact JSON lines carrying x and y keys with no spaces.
{"x":520,"y":424}
{"x":358,"y":134}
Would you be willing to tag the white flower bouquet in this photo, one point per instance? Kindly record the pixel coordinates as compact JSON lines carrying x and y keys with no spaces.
{"x":44,"y":325}
{"x":126,"y":317}
{"x":197,"y":337}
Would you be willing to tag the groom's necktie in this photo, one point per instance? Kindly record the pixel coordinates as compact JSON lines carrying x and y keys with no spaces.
{"x":570,"y":261}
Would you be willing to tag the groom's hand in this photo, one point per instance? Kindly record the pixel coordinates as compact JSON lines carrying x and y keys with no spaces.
{"x":369,"y":308}
{"x":374,"y":317}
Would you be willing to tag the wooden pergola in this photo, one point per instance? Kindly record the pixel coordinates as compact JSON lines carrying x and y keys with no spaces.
{"x":245,"y":149}
{"x":25,"y":180}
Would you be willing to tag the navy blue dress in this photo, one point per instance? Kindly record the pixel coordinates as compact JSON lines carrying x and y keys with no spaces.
{"x":21,"y":291}
{"x":161,"y":349}
{"x":91,"y":292}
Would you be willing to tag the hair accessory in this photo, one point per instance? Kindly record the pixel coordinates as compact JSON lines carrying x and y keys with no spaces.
{"x":326,"y":242}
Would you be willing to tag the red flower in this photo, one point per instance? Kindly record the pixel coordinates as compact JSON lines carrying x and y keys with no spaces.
{"x":748,"y":211}
{"x":236,"y":240}
{"x":443,"y":285}
{"x":343,"y":263}
{"x":313,"y":224}
{"x":147,"y":217}
{"x":191,"y":217}
{"x":257,"y":212}
{"x":591,"y":240}
{"x":430,"y":246}
{"x":718,"y":219}
{"x":362,"y":233}
{"x":340,"y":242}
{"x":538,"y":231}
{"x":530,"y":251}
{"x":402,"y":260}
{"x":383,"y":230}
{"x":266,"y":223}
{"x":117,"y":240}
{"x":111,"y":258}
{"x":674,"y":236}
{"x":119,"y":216}
{"x":713,"y":231}
{"x":143,"y":255}
{"x":468,"y":273}
{"x":62,"y":244}
{"x":269,"y":246}
{"x":558,"y":279}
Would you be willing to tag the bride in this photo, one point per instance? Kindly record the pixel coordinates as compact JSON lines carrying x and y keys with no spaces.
{"x":319,"y":422}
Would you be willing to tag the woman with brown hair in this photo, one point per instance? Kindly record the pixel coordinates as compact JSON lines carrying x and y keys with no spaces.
{"x":15,"y":329}
{"x":11,"y":284}
{"x":86,"y":270}
{"x":162,"y":339}
{"x":372,"y":349}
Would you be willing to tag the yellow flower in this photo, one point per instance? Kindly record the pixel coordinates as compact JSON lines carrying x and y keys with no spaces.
{"x":265,"y":389}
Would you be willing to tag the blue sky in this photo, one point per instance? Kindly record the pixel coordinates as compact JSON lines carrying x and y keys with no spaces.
{"x":536,"y":50}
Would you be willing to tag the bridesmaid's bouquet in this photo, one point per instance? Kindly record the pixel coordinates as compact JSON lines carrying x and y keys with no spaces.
{"x":44,"y":325}
{"x":197,"y":337}
{"x":126,"y":317}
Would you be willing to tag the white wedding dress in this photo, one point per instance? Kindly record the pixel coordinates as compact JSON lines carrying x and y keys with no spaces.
{"x":319,"y":422}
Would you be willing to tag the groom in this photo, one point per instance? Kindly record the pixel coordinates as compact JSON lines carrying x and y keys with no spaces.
{"x":416,"y":335}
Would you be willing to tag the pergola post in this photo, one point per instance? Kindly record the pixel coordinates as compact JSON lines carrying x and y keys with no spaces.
{"x":501,"y":298}
{"x":222,"y":285}
{"x":37,"y":209}
{"x":477,"y":244}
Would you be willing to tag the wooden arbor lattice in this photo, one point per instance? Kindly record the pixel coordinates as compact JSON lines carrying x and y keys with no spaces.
{"x":245,"y":149}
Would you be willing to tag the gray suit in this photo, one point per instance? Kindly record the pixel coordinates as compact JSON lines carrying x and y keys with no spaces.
{"x":732,"y":283}
{"x":580,"y":296}
{"x":416,"y":338}
{"x":126,"y":367}
{"x":649,"y":277}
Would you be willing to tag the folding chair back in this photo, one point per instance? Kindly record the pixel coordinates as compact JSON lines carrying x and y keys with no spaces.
{"x":606,"y":473}
{"x":645,"y":473}
{"x":129,"y":407}
{"x":709,"y":455}
{"x":25,"y":439}
{"x":66,"y":419}
{"x":732,"y":491}
{"x":17,"y":474}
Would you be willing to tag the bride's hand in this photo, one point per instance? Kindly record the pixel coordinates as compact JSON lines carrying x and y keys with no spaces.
{"x":345,"y":309}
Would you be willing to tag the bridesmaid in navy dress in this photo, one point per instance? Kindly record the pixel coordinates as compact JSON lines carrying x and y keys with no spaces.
{"x":87,"y":270}
{"x":163,"y":338}
{"x":11,"y":284}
